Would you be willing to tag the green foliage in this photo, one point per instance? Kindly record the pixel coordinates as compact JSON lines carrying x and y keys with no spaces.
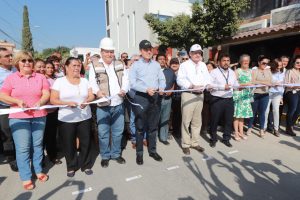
{"x":65,"y":52}
{"x":209,"y":24}
{"x":26,"y":33}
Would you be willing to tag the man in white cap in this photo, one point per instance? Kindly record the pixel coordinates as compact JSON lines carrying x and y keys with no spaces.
{"x":109,"y":78}
{"x":192,"y":74}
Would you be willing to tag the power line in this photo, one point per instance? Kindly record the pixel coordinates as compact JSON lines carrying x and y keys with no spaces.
{"x":11,"y":7}
{"x":2,"y":31}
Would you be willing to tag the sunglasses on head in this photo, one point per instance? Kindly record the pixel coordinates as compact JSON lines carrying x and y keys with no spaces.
{"x":27,"y":60}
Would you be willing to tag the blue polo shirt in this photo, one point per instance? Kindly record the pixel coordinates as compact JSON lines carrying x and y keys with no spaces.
{"x":3,"y":74}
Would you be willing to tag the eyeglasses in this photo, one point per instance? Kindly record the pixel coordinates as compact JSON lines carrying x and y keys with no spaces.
{"x":297,"y":63}
{"x":27,"y":60}
{"x":263,"y":63}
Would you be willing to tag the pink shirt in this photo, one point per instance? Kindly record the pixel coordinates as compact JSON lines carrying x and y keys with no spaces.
{"x":29,"y":89}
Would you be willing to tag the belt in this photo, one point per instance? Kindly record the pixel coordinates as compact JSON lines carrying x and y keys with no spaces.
{"x":196,"y":93}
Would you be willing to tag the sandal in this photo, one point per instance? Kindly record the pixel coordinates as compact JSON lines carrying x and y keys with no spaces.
{"x":43,"y":178}
{"x":29,"y":186}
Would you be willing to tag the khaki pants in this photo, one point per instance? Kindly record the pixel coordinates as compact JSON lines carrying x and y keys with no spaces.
{"x":191,"y":108}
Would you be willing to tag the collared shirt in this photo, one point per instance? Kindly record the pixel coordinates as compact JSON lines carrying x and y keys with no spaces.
{"x":29,"y":89}
{"x":190,"y":73}
{"x":114,"y":87}
{"x":170,"y":78}
{"x":3,"y":74}
{"x":220,"y":78}
{"x":144,"y":75}
{"x":277,"y":78}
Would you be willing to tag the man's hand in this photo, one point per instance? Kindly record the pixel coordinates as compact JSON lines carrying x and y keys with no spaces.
{"x":101,"y":94}
{"x":150,"y":91}
{"x":227,"y":87}
{"x":161,"y":92}
{"x":122,"y":93}
{"x":198,"y":88}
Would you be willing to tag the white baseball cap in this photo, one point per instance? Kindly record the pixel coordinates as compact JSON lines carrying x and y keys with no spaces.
{"x":196,"y":47}
{"x":107,"y":44}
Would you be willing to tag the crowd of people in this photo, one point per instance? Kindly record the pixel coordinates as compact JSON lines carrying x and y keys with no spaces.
{"x":146,"y":96}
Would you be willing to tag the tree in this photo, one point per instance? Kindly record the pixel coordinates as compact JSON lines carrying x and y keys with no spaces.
{"x":26,"y":33}
{"x":209,"y":24}
{"x":65,"y":52}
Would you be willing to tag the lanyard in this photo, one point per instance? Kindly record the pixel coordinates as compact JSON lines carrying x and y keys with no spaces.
{"x":226,"y":78}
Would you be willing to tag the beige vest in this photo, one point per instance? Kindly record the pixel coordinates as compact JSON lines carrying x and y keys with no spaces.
{"x":103,"y":79}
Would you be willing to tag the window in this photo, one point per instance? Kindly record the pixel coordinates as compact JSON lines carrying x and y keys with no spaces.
{"x":112,"y":10}
{"x":107,"y":12}
{"x":128,"y":31}
{"x":133,"y":29}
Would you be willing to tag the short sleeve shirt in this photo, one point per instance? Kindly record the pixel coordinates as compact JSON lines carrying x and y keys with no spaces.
{"x":75,"y":93}
{"x":27,"y":88}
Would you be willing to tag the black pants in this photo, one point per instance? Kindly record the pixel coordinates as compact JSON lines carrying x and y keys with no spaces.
{"x":50,"y":135}
{"x":146,"y":119}
{"x":176,"y":117}
{"x":68,"y":133}
{"x":221,"y":108}
{"x":293,"y":105}
{"x":7,"y":139}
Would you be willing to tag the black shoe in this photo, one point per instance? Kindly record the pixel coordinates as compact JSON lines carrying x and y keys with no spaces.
{"x":139,"y":160}
{"x":198,"y":148}
{"x":212,"y":144}
{"x":290,"y":131}
{"x":165,"y":142}
{"x":13,"y":166}
{"x":119,"y":160}
{"x":104,"y":163}
{"x":227,"y":143}
{"x":155,"y":156}
{"x":88,"y":172}
{"x":186,"y":151}
{"x":70,"y":173}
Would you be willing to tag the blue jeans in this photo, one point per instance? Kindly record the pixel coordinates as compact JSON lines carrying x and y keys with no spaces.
{"x":293,"y":104}
{"x":163,"y":125}
{"x":28,"y":137}
{"x":132,"y":127}
{"x":110,"y":119}
{"x":259,"y":105}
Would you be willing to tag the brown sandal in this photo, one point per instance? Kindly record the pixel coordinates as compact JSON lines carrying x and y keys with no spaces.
{"x":43,"y":178}
{"x":29,"y":186}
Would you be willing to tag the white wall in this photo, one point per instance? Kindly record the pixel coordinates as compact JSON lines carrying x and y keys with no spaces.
{"x":127,"y":31}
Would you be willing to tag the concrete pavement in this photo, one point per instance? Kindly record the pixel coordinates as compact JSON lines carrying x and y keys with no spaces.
{"x":257,"y":168}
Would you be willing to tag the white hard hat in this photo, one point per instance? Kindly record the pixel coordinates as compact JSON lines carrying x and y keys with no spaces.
{"x":107,"y":44}
{"x":196,"y":47}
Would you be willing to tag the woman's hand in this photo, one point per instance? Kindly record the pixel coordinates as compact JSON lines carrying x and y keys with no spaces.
{"x":72,"y":104}
{"x":83,"y":105}
{"x":21,"y":103}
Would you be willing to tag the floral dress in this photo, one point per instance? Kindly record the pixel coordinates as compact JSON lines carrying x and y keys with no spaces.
{"x":242,"y":98}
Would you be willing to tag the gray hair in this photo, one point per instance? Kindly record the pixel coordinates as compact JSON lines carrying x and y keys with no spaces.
{"x":243,"y":56}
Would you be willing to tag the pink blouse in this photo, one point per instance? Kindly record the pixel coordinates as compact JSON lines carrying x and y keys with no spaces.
{"x":29,"y":89}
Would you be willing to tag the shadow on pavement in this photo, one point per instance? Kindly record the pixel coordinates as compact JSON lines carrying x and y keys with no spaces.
{"x":2,"y":178}
{"x":259,"y":183}
{"x":24,"y":196}
{"x":80,"y":185}
{"x":107,"y":193}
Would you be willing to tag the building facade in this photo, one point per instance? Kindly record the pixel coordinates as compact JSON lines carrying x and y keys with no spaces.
{"x":125,"y":22}
{"x":270,"y":27}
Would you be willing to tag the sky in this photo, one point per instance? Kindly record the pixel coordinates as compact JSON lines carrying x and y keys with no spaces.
{"x":71,"y":23}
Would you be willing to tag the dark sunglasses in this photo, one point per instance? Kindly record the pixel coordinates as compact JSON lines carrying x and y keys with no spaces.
{"x":263,"y":63}
{"x":124,"y":56}
{"x":184,"y":58}
{"x":27,"y":60}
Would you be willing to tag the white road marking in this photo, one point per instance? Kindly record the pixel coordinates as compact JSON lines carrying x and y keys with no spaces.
{"x":133,"y":178}
{"x":232,"y":152}
{"x":82,"y":191}
{"x":173,"y":167}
